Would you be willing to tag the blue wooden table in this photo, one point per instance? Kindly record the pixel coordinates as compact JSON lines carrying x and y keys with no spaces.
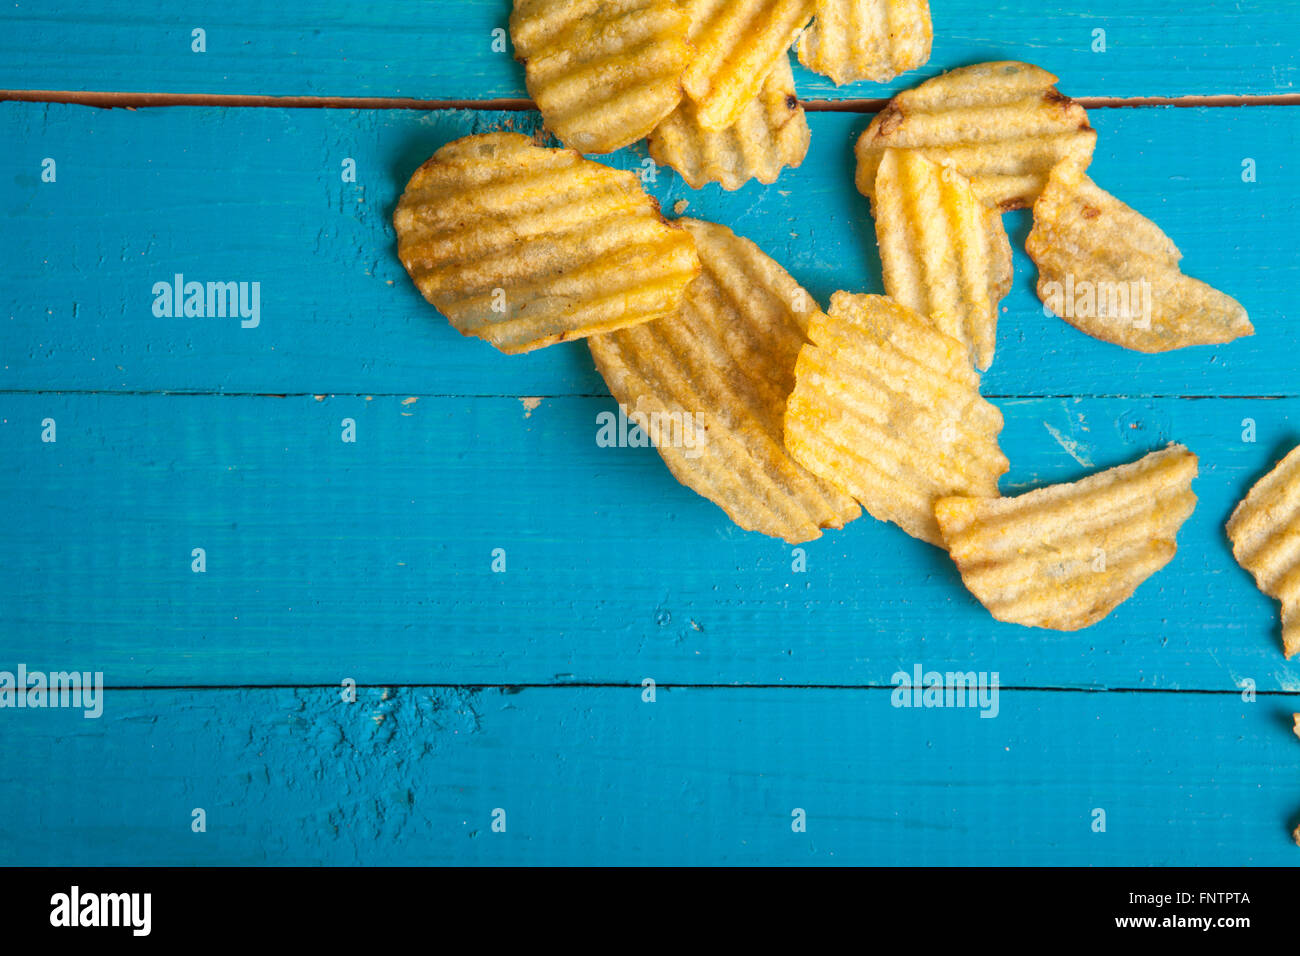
{"x":199,"y":531}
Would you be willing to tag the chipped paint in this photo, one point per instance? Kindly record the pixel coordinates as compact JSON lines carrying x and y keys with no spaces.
{"x":1071,"y":446}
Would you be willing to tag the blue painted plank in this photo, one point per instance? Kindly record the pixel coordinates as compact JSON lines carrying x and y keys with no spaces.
{"x":257,"y":195}
{"x":374,"y":559}
{"x":444,"y":49}
{"x":597,"y":776}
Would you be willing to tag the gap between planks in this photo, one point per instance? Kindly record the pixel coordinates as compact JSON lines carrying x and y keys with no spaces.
{"x":112,"y":100}
{"x":607,"y":685}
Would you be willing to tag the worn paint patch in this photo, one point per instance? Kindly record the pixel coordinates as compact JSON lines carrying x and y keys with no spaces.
{"x":1072,"y":447}
{"x":530,"y":404}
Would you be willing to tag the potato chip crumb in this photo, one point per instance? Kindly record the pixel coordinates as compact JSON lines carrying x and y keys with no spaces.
{"x":680,"y":207}
{"x":530,"y":403}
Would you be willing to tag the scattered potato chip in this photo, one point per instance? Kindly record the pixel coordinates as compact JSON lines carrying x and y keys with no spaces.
{"x":1002,"y":124}
{"x":525,"y":246}
{"x":602,"y":72}
{"x":1265,"y":534}
{"x":1112,"y":274}
{"x":1065,"y":556}
{"x":888,"y":407}
{"x":1296,"y":728}
{"x":727,"y":358}
{"x":770,"y":134}
{"x":944,"y":253}
{"x":852,"y":40}
{"x":737,"y":42}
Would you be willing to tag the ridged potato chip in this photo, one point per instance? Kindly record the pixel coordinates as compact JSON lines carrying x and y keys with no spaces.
{"x":1002,"y":124}
{"x":737,"y":42}
{"x":1265,"y":534}
{"x":1065,"y":556}
{"x":852,"y":40}
{"x":602,"y":72}
{"x":1112,"y":274}
{"x":770,"y":134}
{"x":888,"y":407}
{"x":525,"y":246}
{"x":728,"y":357}
{"x":943,"y":253}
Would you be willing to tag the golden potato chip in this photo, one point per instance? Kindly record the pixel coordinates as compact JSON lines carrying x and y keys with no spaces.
{"x":944,"y":253}
{"x":726,"y":359}
{"x":770,"y":134}
{"x":852,"y":40}
{"x":737,"y":42}
{"x":888,"y":407}
{"x":1002,"y":124}
{"x":1111,"y":273}
{"x":602,"y":72}
{"x":1265,"y":534}
{"x":1296,"y":728}
{"x":525,"y":246}
{"x":1065,"y":556}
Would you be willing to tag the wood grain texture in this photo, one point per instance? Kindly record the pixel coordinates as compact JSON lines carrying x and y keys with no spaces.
{"x":257,"y":195}
{"x":594,"y":775}
{"x":374,"y":559}
{"x":443,"y":49}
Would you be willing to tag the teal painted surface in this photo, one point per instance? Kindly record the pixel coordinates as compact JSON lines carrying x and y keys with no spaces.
{"x":371,"y":561}
{"x":443,"y":49}
{"x":257,"y":195}
{"x":699,"y":776}
{"x":374,"y":559}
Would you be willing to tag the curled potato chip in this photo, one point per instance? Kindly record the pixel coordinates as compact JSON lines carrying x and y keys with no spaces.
{"x":525,"y":246}
{"x":888,"y":407}
{"x":1065,"y":556}
{"x":1265,"y":534}
{"x":770,"y":134}
{"x":852,"y":40}
{"x":602,"y":72}
{"x":943,"y":253}
{"x":737,"y":42}
{"x":727,"y":359}
{"x":1111,"y":273}
{"x":1002,"y":124}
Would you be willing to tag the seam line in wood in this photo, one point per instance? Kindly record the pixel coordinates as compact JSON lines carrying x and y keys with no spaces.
{"x":596,"y":685}
{"x":113,"y":100}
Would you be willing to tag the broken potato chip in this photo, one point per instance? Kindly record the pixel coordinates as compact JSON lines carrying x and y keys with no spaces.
{"x":525,"y":246}
{"x":724,"y":363}
{"x":1112,"y":274}
{"x":1265,"y":534}
{"x":888,"y":407}
{"x":852,"y":40}
{"x":770,"y":134}
{"x":1004,"y":125}
{"x":943,"y":253}
{"x":602,"y":72}
{"x":1065,"y":556}
{"x":737,"y":42}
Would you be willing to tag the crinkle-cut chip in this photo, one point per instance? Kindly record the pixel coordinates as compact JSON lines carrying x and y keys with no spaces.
{"x":1002,"y":124}
{"x":728,"y":357}
{"x":602,"y":72}
{"x":888,"y":407}
{"x":944,"y":253}
{"x":1265,"y":534}
{"x":1112,"y":274}
{"x":770,"y":134}
{"x":525,"y":246}
{"x":737,"y":42}
{"x":852,"y":40}
{"x":1065,"y":556}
